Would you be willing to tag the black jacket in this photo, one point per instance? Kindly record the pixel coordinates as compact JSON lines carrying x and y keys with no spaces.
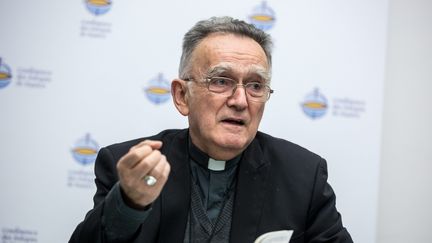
{"x":280,"y":186}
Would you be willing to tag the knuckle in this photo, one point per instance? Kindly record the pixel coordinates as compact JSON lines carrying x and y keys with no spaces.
{"x":119,"y":165}
{"x":126,"y":184}
{"x":156,"y":153}
{"x":145,"y":164}
{"x":167,"y":172}
{"x":134,"y":154}
{"x":156,"y":172}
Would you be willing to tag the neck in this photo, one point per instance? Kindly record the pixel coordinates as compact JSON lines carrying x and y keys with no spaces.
{"x":220,"y":153}
{"x":216,"y":152}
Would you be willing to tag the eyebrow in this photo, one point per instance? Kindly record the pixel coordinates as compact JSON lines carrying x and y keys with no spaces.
{"x":221,"y":68}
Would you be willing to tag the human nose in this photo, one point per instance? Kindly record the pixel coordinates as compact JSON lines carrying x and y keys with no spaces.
{"x":238,"y":97}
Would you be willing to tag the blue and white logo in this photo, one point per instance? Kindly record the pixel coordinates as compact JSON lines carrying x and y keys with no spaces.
{"x":159,"y":90}
{"x":98,"y":7}
{"x":262,"y":17}
{"x":314,"y":104}
{"x":85,"y":150}
{"x":5,"y":74}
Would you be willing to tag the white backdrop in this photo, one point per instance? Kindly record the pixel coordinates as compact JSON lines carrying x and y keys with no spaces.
{"x":75,"y":76}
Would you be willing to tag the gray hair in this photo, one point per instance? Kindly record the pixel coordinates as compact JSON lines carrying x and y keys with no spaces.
{"x":228,"y":25}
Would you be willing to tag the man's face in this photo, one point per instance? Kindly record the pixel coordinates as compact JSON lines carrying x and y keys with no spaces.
{"x":224,"y":126}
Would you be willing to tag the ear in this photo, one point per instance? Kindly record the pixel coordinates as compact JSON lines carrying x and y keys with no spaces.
{"x":179,"y":94}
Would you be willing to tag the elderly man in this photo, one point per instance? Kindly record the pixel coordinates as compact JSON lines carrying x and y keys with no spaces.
{"x":220,"y":180}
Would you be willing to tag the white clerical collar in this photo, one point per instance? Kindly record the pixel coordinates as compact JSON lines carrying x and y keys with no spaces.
{"x":216,"y":165}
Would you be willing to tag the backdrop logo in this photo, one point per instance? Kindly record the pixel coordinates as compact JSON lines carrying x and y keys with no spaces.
{"x":5,"y":74}
{"x":98,"y":7}
{"x":314,"y":104}
{"x":85,"y":150}
{"x":158,"y":91}
{"x":263,"y":17}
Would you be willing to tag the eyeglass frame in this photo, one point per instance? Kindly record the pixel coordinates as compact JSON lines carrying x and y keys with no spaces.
{"x":207,"y":81}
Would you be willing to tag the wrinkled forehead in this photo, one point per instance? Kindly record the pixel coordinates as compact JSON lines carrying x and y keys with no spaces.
{"x":233,"y":69}
{"x":229,"y":53}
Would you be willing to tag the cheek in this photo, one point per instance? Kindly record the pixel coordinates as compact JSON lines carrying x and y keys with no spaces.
{"x":202,"y":115}
{"x":257,"y":113}
{"x":207,"y":109}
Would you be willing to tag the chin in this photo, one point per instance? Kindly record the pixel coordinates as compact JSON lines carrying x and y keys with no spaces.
{"x":234,"y":143}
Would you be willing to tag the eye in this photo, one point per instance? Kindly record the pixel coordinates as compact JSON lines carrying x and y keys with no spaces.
{"x":255,"y":86}
{"x":220,"y":81}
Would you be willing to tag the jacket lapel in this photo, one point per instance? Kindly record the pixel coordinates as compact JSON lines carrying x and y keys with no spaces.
{"x":250,"y":194}
{"x":175,"y":197}
{"x":249,"y":198}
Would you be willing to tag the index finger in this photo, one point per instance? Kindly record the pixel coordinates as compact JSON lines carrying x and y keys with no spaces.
{"x":154,"y":144}
{"x":134,"y":156}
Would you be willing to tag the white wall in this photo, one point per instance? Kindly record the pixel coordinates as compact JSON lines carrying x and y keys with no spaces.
{"x":405,"y":208}
{"x":77,"y":80}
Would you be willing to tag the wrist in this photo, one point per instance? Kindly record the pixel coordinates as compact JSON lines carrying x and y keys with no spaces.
{"x":130,"y":203}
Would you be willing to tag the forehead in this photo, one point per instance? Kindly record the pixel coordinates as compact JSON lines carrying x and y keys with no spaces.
{"x":236,"y":53}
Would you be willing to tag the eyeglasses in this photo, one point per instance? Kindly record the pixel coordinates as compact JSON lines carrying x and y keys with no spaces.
{"x":256,"y":91}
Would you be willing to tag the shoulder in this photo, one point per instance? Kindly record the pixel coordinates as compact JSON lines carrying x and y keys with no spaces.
{"x":283,"y":153}
{"x":281,"y":146}
{"x":292,"y":167}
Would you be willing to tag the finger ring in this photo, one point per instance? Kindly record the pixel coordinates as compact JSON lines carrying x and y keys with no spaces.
{"x":150,"y":180}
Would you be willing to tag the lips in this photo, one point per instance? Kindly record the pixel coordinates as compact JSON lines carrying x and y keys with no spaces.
{"x":233,"y":121}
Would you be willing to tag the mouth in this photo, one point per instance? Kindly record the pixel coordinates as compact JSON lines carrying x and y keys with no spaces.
{"x":231,"y":121}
